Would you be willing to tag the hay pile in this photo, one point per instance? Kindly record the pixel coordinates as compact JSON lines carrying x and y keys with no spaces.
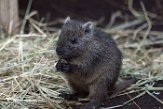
{"x":27,"y":61}
{"x":27,"y":69}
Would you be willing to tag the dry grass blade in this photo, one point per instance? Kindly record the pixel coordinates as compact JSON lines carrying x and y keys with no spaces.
{"x":113,"y":107}
{"x":27,"y":61}
{"x":154,"y":97}
{"x":25,"y":17}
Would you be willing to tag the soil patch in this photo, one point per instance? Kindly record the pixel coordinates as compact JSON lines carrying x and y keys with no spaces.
{"x":143,"y":102}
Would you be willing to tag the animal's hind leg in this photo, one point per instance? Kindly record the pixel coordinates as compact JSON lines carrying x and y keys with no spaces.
{"x":97,"y":95}
{"x":77,"y":92}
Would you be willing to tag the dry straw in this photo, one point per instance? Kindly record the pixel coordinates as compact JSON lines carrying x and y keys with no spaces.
{"x":27,"y":62}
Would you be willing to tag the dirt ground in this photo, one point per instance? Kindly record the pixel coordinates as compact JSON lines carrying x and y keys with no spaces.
{"x":144,"y":102}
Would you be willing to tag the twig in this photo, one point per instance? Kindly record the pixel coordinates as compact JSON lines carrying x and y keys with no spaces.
{"x":138,"y":30}
{"x":127,"y":25}
{"x":145,"y":43}
{"x":155,"y":97}
{"x":148,"y":21}
{"x":25,"y":17}
{"x":141,"y":94}
{"x":134,"y":102}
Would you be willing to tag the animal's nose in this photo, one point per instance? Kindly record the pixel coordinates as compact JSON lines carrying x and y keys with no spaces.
{"x":60,"y":50}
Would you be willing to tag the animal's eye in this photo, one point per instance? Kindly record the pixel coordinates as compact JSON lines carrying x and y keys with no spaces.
{"x":74,"y":41}
{"x":87,"y":30}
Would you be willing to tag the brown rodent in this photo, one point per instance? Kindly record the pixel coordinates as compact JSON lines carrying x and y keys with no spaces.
{"x":90,"y":61}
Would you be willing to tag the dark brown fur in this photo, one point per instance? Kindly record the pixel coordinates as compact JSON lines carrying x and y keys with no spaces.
{"x":90,"y":61}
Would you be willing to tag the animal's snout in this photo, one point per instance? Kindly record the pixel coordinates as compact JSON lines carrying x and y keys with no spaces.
{"x":61,"y":50}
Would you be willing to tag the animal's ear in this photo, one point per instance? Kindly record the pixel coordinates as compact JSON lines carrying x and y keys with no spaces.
{"x":67,"y":20}
{"x":88,"y":27}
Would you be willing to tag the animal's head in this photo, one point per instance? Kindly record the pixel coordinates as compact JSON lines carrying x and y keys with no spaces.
{"x":74,"y":38}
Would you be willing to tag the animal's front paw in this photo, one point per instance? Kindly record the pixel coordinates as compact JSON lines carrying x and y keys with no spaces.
{"x":67,"y":96}
{"x":63,"y":66}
